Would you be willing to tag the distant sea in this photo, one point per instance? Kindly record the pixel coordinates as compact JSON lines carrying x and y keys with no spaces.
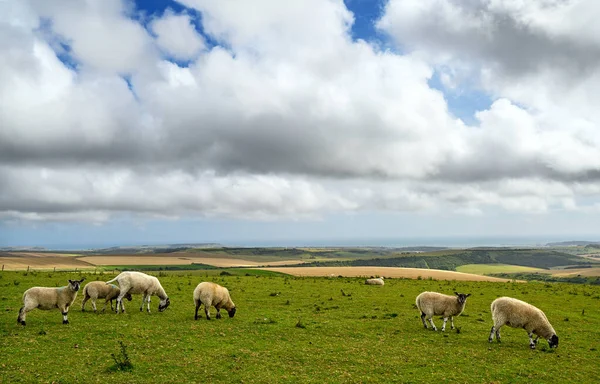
{"x":450,"y":242}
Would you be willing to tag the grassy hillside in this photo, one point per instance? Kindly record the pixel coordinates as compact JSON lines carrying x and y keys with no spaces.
{"x":309,"y":330}
{"x":524,"y":257}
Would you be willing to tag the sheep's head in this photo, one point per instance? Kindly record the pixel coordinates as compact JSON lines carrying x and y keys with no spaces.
{"x":163,"y":304}
{"x":462,"y":298}
{"x":232,"y":311}
{"x":553,"y":341}
{"x":74,"y":284}
{"x":128,"y":296}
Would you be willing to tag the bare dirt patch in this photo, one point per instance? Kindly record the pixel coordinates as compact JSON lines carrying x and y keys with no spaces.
{"x":411,"y":273}
{"x":23,"y":262}
{"x":590,"y":272}
{"x":176,"y":260}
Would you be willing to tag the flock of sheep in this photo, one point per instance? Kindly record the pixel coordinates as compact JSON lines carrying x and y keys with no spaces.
{"x":505,"y":310}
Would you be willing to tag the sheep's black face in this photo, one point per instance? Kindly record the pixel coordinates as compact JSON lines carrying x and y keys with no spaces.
{"x":232,"y":312}
{"x":74,"y":284}
{"x":128,"y":296}
{"x":164,"y":304}
{"x":553,"y":341}
{"x":462,"y":298}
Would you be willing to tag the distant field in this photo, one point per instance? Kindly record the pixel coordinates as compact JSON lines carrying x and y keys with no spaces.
{"x":485,"y":269}
{"x":410,"y":273}
{"x":298,"y":330}
{"x":575,"y":272}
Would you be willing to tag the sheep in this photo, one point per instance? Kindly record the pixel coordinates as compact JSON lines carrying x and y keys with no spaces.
{"x":519,"y":314}
{"x":140,"y":283}
{"x":49,"y":298}
{"x":375,"y":281}
{"x":211,"y":294}
{"x":100,"y":290}
{"x":433,"y":303}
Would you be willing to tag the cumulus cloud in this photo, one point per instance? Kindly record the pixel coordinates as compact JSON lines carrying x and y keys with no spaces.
{"x":175,"y":35}
{"x":287,"y":116}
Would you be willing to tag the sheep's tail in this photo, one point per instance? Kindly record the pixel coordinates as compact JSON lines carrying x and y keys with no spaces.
{"x":111,"y":281}
{"x":418,"y":303}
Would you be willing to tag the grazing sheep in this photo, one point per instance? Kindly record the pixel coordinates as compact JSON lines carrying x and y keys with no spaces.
{"x":375,"y":281}
{"x":433,"y":303}
{"x":519,"y":314}
{"x":211,"y":294}
{"x":140,"y":283}
{"x":100,"y":290}
{"x":49,"y":298}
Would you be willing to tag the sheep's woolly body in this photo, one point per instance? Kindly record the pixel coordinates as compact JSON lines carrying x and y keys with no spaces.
{"x":100,"y":290}
{"x":376,"y":281}
{"x":519,"y":314}
{"x":46,"y":298}
{"x":142,"y":284}
{"x":436,"y":304}
{"x":211,"y":294}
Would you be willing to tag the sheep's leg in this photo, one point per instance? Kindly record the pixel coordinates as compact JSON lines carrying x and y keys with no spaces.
{"x":491,"y":338}
{"x":65,"y":312}
{"x":444,"y":325}
{"x":143,"y":300}
{"x":105,"y":304}
{"x":206,"y":311}
{"x":218,"y":312}
{"x":94,"y":305}
{"x":432,"y":325}
{"x":496,"y":330}
{"x":423,"y":315}
{"x":451,"y":322}
{"x":531,"y":342}
{"x":85,"y":299}
{"x":120,"y":301}
{"x":198,"y":304}
{"x":149,"y":298}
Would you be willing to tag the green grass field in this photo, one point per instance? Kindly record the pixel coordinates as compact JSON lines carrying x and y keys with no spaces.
{"x":298,"y":330}
{"x":486,"y":269}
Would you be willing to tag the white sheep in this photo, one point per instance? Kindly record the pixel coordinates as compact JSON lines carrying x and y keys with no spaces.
{"x":139,"y":283}
{"x":375,"y":281}
{"x":519,"y":314}
{"x":100,"y":290}
{"x":435,"y":304}
{"x":49,"y":298}
{"x":211,"y":294}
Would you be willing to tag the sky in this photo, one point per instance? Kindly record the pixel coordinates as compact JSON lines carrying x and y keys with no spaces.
{"x":300,"y":121}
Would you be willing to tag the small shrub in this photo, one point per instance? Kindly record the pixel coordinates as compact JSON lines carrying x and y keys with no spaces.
{"x":16,"y":282}
{"x":274,"y":294}
{"x":42,"y":332}
{"x":224,"y":273}
{"x":300,"y":324}
{"x":566,"y":319}
{"x":122,"y":361}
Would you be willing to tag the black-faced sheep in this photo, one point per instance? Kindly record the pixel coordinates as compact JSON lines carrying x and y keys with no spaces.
{"x":100,"y":290}
{"x":141,"y":284}
{"x":211,"y":294}
{"x":519,"y":314}
{"x":49,"y":298}
{"x":436,"y":304}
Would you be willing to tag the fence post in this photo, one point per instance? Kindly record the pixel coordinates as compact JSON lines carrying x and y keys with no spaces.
{"x":2,"y":267}
{"x":28,"y":268}
{"x":54,"y":269}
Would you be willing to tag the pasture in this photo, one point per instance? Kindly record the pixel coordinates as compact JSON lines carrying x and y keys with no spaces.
{"x":298,"y":329}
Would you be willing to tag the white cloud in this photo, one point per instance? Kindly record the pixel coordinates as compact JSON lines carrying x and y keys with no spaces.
{"x":175,"y":35}
{"x":289,"y":117}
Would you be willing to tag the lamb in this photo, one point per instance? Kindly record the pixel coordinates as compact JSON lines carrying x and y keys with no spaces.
{"x":375,"y":281}
{"x":433,"y":303}
{"x":211,"y":294}
{"x":100,"y":290}
{"x":140,"y":283}
{"x":519,"y":314}
{"x":49,"y":298}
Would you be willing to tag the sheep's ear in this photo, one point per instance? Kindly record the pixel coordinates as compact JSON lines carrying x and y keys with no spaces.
{"x":81,"y":281}
{"x":468,"y":294}
{"x":70,"y":281}
{"x":456,"y":293}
